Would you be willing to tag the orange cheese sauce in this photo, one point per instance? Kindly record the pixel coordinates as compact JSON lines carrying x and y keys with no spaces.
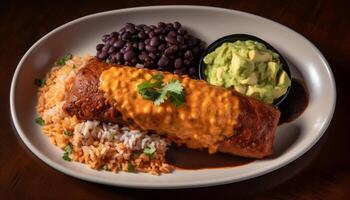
{"x":206,"y":118}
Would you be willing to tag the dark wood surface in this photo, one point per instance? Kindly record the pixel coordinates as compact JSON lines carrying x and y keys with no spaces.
{"x":322,"y":173}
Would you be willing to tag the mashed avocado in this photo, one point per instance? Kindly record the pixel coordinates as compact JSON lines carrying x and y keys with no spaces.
{"x":249,"y":67}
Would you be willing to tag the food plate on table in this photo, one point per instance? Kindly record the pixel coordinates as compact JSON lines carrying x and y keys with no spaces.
{"x":120,"y":92}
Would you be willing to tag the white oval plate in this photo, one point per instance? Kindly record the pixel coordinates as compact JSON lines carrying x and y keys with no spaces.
{"x":81,"y":36}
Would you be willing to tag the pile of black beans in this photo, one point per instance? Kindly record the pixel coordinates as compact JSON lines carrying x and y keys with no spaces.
{"x":165,"y":47}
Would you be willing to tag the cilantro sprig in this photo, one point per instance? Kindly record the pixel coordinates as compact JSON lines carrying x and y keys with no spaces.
{"x":131,"y":167}
{"x":158,"y":91}
{"x":39,"y":82}
{"x":40,"y":121}
{"x":67,"y":152}
{"x":149,"y":152}
{"x":67,"y":133}
{"x":62,"y":61}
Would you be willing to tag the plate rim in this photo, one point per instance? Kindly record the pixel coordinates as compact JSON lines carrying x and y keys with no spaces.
{"x":154,"y":185}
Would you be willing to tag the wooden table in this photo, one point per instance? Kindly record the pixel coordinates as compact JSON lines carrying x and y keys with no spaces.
{"x":322,"y":173}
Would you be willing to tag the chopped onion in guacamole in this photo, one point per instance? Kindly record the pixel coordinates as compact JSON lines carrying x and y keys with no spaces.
{"x":248,"y":67}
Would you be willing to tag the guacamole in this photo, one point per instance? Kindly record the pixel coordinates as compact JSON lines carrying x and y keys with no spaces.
{"x":248,"y":67}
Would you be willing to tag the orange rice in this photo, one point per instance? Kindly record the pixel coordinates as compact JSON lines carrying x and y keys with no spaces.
{"x":91,"y":142}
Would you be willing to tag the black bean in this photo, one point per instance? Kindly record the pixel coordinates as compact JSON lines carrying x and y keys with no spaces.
{"x":181,"y":31}
{"x":161,"y":38}
{"x":99,"y":47}
{"x":113,"y":59}
{"x":125,"y":36}
{"x":177,"y":25}
{"x":164,"y":47}
{"x":161,"y":47}
{"x":119,"y":56}
{"x":105,"y":37}
{"x":188,"y":55}
{"x":161,"y":24}
{"x":122,"y":30}
{"x":158,"y":31}
{"x":111,"y":50}
{"x":169,"y":51}
{"x":141,"y":35}
{"x":170,"y":25}
{"x":129,"y":55}
{"x":134,"y":61}
{"x":192,"y":71}
{"x":154,"y":41}
{"x":131,"y":29}
{"x":114,"y":34}
{"x":150,"y":48}
{"x":180,"y":39}
{"x":105,"y":48}
{"x":163,"y":61}
{"x":138,"y":29}
{"x":129,"y":48}
{"x":111,"y":41}
{"x":142,"y":57}
{"x":178,"y":63}
{"x":147,"y":30}
{"x":172,"y":34}
{"x":102,"y":55}
{"x":148,"y":62}
{"x":141,"y":26}
{"x":170,"y":40}
{"x":152,"y":55}
{"x":141,"y":46}
{"x":183,"y":47}
{"x":187,"y":62}
{"x":118,"y":44}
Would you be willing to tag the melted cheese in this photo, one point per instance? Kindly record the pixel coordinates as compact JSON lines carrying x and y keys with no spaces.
{"x":207,"y":117}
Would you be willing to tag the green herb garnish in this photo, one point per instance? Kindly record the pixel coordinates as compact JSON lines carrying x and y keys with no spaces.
{"x":149,"y":151}
{"x":158,"y":92}
{"x":40,"y":121}
{"x":131,"y":167}
{"x":39,"y":82}
{"x":67,"y":133}
{"x":62,"y":61}
{"x":74,"y":66}
{"x":67,"y":151}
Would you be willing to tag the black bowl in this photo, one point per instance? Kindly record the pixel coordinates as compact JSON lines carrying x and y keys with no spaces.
{"x":243,"y":37}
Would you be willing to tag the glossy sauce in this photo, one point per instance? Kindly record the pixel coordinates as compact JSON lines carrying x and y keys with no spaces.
{"x":194,"y":123}
{"x":192,"y":159}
